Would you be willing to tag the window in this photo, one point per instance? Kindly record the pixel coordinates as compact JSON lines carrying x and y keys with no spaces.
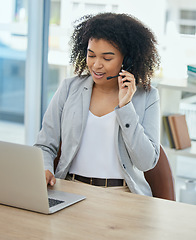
{"x":187,"y":22}
{"x":184,"y":29}
{"x":13,"y":46}
{"x":187,"y":14}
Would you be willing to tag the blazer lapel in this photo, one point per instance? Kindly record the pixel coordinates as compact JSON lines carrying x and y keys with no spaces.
{"x":86,"y":97}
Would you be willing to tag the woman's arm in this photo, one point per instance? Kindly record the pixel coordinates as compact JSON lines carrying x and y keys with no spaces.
{"x":50,"y":135}
{"x":141,"y":131}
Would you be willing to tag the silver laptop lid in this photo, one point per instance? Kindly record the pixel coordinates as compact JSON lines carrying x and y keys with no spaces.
{"x":22,"y":177}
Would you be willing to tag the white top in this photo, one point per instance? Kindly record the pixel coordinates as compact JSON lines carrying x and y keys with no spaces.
{"x":97,"y":156}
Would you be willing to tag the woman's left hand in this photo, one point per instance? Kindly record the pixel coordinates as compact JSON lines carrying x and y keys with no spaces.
{"x":127,"y":87}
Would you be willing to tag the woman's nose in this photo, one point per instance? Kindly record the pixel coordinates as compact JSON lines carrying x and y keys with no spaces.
{"x":98,"y":63}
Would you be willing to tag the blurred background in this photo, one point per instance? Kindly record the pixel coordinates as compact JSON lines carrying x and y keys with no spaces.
{"x":35,"y":53}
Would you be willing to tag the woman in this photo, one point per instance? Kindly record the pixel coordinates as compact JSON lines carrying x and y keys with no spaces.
{"x":107,"y":117}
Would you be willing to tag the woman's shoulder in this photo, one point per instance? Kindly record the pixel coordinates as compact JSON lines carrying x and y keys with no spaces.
{"x":151,"y":95}
{"x":71,"y":85}
{"x":152,"y":91}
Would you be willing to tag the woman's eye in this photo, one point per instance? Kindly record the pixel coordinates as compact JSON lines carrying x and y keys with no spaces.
{"x":107,"y":59}
{"x":91,"y":56}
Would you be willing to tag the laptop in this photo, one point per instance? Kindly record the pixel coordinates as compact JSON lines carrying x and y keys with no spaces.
{"x":23,"y":184}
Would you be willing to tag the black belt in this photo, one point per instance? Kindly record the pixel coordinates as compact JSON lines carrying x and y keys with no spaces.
{"x":104,"y":182}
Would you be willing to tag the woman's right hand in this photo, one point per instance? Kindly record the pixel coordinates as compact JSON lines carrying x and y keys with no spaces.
{"x":50,"y":178}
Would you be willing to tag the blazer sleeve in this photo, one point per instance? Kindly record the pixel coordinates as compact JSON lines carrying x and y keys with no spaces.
{"x":50,"y":134}
{"x":141,"y":136}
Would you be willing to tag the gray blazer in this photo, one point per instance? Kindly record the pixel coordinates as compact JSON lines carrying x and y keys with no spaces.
{"x":137,"y":132}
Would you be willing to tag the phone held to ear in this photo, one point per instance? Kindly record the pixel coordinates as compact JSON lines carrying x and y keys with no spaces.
{"x":127,"y":64}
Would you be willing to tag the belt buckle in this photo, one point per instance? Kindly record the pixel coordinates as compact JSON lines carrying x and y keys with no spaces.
{"x":106,"y":182}
{"x":73,"y":177}
{"x":124,"y":183}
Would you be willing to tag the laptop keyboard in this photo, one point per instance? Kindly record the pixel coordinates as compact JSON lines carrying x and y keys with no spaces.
{"x":53,"y":202}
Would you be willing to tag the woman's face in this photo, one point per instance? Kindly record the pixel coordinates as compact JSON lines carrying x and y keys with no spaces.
{"x":103,"y":60}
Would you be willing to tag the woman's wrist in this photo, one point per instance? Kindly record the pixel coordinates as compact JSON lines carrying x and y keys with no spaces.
{"x":120,"y":106}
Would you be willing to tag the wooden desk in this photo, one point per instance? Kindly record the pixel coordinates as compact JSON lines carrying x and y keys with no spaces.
{"x":106,"y":214}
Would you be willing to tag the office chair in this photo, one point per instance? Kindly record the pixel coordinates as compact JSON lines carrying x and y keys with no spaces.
{"x":159,"y":178}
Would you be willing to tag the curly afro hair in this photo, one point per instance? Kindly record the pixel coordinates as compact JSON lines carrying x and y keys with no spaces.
{"x":132,"y":38}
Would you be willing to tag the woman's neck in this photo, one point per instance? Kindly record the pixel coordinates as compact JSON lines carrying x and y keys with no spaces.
{"x":103,"y":99}
{"x":106,"y":89}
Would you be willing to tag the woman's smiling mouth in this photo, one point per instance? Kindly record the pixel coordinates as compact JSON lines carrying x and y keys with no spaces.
{"x":98,"y":74}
